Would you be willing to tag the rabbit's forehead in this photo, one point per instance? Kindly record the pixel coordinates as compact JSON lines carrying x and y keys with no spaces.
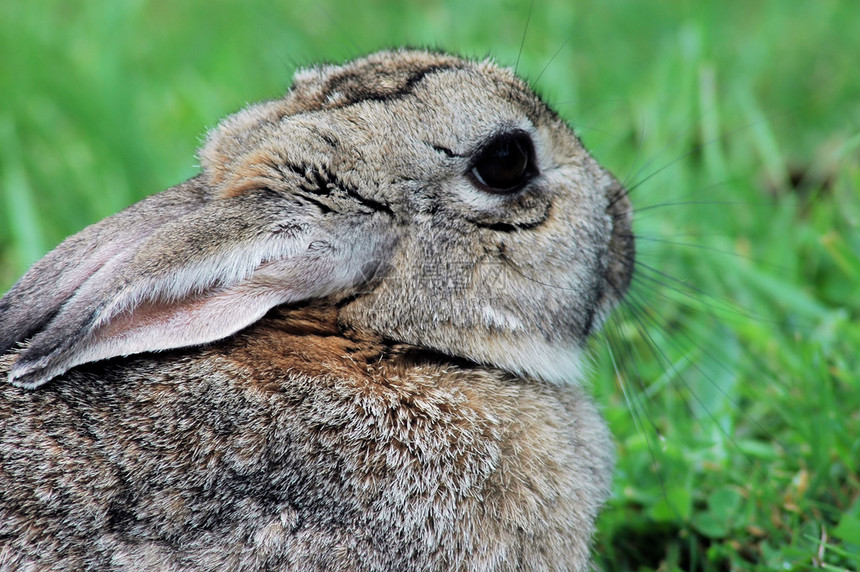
{"x":410,"y":89}
{"x":456,"y":109}
{"x":470,"y":106}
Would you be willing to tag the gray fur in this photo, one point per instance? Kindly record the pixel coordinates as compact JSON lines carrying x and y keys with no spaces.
{"x":410,"y":403}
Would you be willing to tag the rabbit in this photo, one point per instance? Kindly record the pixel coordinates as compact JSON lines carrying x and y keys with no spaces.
{"x":354,"y":341}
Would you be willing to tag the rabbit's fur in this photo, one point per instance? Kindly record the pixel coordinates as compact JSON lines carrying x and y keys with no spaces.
{"x":331,"y":350}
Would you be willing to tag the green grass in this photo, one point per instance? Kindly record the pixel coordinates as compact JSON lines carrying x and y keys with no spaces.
{"x":730,"y":379}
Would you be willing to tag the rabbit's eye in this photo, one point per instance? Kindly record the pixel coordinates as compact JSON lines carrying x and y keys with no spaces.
{"x":505,"y":164}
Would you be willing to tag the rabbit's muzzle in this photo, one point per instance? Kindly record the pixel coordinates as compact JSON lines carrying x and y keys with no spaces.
{"x":622,"y":248}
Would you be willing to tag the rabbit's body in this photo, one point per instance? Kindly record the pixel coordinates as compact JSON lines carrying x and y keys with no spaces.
{"x":437,"y":247}
{"x":296,"y":446}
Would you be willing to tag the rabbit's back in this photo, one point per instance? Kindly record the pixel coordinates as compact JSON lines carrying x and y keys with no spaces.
{"x":296,"y":445}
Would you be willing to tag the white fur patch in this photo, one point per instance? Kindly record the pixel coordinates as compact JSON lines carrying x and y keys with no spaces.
{"x":537,"y":358}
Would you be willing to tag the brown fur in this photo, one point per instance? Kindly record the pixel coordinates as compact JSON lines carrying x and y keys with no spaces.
{"x":347,"y":453}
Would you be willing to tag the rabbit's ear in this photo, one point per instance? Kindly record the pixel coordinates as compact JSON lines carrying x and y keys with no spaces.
{"x":178,"y":270}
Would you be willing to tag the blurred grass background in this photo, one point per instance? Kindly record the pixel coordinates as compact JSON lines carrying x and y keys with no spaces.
{"x":730,"y":379}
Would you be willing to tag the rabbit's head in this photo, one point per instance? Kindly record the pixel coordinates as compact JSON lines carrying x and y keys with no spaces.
{"x":436,"y":201}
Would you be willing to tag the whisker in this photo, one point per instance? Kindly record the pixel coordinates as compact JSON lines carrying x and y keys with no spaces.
{"x":525,"y":31}
{"x":551,"y":59}
{"x":639,"y":146}
{"x":639,"y":210}
{"x":643,"y":319}
{"x":340,"y":28}
{"x":705,"y":248}
{"x":699,"y":146}
{"x":514,"y":267}
{"x":695,"y":306}
{"x":719,"y":302}
{"x":719,"y":362}
{"x":664,"y":148}
{"x":636,"y":408}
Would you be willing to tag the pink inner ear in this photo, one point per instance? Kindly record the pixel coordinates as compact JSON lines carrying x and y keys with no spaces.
{"x":211,"y":315}
{"x":154,"y":326}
